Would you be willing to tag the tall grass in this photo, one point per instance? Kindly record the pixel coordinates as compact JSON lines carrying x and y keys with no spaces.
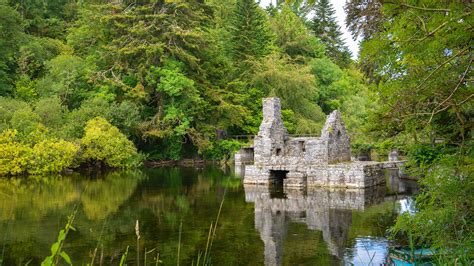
{"x":206,"y":258}
{"x":203,"y":258}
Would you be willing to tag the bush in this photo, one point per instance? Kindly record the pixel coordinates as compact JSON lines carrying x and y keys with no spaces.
{"x":223,"y":149}
{"x":14,"y":156}
{"x":104,"y":143}
{"x":360,"y":147}
{"x":52,"y":156}
{"x":445,"y":217}
{"x":47,"y":156}
{"x":424,"y":155}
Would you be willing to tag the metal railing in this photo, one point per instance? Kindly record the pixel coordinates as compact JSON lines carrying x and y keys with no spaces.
{"x":251,"y":137}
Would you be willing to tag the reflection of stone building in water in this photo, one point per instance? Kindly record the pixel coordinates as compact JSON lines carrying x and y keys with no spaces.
{"x":301,"y":161}
{"x":328,"y":211}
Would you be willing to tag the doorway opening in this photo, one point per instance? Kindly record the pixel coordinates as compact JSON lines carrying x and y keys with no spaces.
{"x":278,"y":175}
{"x":277,"y":178}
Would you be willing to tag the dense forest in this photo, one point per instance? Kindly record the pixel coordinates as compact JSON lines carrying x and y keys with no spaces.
{"x":114,"y":83}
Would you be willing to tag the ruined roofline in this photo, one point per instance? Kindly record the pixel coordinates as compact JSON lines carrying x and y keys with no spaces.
{"x":273,"y":120}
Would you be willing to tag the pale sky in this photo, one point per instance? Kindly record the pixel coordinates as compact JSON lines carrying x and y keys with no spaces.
{"x":340,"y":16}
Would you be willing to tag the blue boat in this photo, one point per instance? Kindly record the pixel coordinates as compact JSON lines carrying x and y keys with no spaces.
{"x":405,"y":256}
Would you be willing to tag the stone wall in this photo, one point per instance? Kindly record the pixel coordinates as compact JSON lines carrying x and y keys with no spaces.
{"x":244,"y":156}
{"x":272,"y":134}
{"x":338,"y":144}
{"x":273,"y":146}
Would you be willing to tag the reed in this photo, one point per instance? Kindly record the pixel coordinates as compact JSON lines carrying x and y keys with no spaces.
{"x":97,"y":247}
{"x":206,"y":259}
{"x":137,"y":233}
{"x":179,"y":242}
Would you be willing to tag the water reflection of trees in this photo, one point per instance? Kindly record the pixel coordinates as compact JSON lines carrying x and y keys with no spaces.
{"x":311,"y":225}
{"x":32,"y":210}
{"x":105,"y":195}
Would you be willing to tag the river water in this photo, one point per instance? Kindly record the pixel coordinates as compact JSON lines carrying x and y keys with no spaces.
{"x":175,"y":208}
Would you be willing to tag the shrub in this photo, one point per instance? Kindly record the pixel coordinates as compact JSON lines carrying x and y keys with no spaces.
{"x":361,"y":147}
{"x":47,"y":156}
{"x":223,"y":149}
{"x":445,"y":217}
{"x":104,"y":143}
{"x":13,"y":155}
{"x":52,"y":156}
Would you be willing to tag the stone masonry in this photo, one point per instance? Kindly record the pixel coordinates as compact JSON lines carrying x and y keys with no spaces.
{"x":304,"y":161}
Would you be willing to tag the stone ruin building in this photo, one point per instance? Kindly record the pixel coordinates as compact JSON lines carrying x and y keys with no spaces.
{"x":305,"y":161}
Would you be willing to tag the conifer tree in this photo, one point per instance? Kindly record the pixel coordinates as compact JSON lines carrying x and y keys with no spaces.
{"x":251,"y":34}
{"x":325,"y":27}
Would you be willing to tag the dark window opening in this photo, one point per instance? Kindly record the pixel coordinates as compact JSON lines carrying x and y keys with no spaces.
{"x":302,"y":146}
{"x":278,"y":152}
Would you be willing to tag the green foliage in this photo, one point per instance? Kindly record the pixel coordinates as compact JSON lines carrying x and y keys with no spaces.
{"x":172,"y":76}
{"x":25,"y":121}
{"x":124,"y":115}
{"x":52,"y":156}
{"x":251,"y":34}
{"x":418,"y":54}
{"x":360,"y":147}
{"x":67,"y":78}
{"x":295,"y":85}
{"x":422,"y":59}
{"x":14,"y":156}
{"x":50,"y":112}
{"x":11,"y":35}
{"x":8,"y":107}
{"x":56,"y":248}
{"x":444,"y":220}
{"x":293,"y":37}
{"x":424,"y":155}
{"x":178,"y":102}
{"x":104,"y":143}
{"x":46,"y":156}
{"x":223,"y":149}
{"x":324,"y":26}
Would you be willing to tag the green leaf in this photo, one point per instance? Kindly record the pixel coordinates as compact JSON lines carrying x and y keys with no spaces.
{"x":61,"y":236}
{"x":54,"y":248}
{"x":48,"y":261}
{"x":66,"y":257}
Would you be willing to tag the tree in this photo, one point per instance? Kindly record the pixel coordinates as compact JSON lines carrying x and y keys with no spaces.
{"x":423,"y":62}
{"x":293,"y":37}
{"x":324,"y":26}
{"x":364,"y":18}
{"x":426,"y":56}
{"x":11,"y":36}
{"x":296,"y":87}
{"x":251,"y":34}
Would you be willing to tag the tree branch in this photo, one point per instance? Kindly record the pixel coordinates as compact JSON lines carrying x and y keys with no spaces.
{"x":439,"y":67}
{"x":419,"y":8}
{"x":452,"y":93}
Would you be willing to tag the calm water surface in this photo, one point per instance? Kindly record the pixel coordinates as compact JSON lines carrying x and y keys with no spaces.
{"x":257,"y":225}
